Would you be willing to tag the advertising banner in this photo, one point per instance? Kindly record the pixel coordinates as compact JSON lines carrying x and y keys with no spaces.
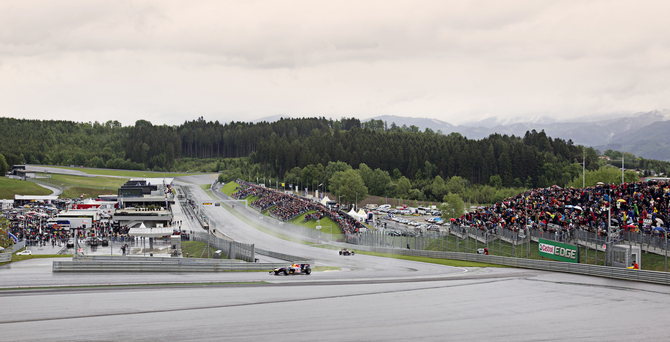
{"x":558,"y":251}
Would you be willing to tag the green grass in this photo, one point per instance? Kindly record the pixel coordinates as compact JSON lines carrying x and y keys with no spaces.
{"x":75,"y":186}
{"x":326,"y":223}
{"x":124,"y":173}
{"x":205,"y":186}
{"x":325,"y":268}
{"x":447,"y":262}
{"x":10,"y":187}
{"x":87,"y":192}
{"x":195,"y":249}
{"x":83,"y":181}
{"x":16,"y":258}
{"x":229,"y":188}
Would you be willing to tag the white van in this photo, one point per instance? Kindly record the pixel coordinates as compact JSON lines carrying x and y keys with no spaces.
{"x":385,"y":206}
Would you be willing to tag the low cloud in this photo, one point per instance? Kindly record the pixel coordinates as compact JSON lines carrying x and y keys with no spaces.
{"x":454,"y":61}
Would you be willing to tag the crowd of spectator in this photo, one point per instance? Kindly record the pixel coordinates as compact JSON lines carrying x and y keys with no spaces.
{"x":640,"y":207}
{"x":285,"y":207}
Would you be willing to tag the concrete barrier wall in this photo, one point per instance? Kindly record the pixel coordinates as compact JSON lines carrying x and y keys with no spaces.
{"x":159,"y":266}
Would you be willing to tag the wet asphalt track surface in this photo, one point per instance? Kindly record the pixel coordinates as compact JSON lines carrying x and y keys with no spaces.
{"x":370,"y":299}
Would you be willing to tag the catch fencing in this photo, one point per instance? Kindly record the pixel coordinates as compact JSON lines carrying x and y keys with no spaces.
{"x":233,"y":249}
{"x":500,"y":242}
{"x":544,"y":265}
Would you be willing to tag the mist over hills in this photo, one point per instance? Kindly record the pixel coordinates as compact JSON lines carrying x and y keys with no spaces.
{"x":643,"y":134}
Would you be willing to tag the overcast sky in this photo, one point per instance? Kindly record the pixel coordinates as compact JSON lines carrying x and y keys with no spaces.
{"x":171,"y":61}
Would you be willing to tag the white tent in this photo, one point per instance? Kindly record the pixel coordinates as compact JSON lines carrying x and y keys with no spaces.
{"x":150,"y":232}
{"x":362,"y":214}
{"x":355,"y":215}
{"x":325,"y":200}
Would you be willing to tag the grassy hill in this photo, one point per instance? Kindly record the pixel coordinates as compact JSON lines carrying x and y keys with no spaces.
{"x":10,"y":187}
{"x":326,"y":223}
{"x":75,"y":186}
{"x":124,"y":173}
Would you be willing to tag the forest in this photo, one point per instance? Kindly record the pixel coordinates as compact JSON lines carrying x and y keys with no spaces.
{"x":275,"y":150}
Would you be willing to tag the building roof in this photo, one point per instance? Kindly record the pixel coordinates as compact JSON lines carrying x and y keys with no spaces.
{"x":153,"y":181}
{"x":145,"y":199}
{"x":35,"y":198}
{"x":150,"y":232}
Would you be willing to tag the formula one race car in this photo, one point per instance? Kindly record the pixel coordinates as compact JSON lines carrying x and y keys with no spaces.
{"x":293,"y":269}
{"x":345,"y":251}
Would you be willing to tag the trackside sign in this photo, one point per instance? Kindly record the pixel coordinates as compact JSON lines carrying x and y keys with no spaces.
{"x":558,"y":251}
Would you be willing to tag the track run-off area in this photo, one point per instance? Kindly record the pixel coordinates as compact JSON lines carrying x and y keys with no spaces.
{"x":365,"y":298}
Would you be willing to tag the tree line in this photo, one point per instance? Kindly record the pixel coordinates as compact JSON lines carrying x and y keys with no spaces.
{"x":276,"y":149}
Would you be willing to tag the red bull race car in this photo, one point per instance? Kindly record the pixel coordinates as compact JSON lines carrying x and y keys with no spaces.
{"x":345,"y":251}
{"x":293,"y":269}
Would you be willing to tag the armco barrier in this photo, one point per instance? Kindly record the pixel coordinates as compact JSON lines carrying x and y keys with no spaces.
{"x":233,"y":249}
{"x":287,"y":257}
{"x":5,"y":257}
{"x":155,"y":259}
{"x":152,"y":266}
{"x":544,"y":265}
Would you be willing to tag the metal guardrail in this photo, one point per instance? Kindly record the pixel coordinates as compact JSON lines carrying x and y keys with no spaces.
{"x":233,"y":249}
{"x":287,"y":257}
{"x":544,"y":265}
{"x":5,"y":257}
{"x":18,"y":246}
{"x":159,"y":266}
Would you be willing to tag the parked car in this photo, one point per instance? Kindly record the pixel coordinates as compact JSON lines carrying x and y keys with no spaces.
{"x":25,"y":252}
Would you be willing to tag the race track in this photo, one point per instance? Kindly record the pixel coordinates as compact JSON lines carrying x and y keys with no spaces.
{"x":369,"y":299}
